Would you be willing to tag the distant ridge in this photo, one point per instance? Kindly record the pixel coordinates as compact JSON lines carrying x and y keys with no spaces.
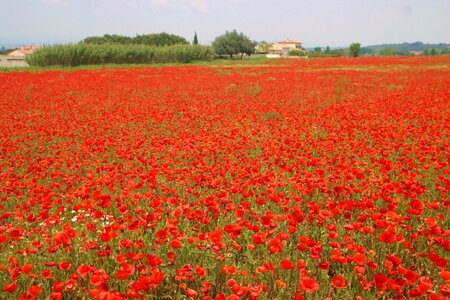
{"x":405,"y":46}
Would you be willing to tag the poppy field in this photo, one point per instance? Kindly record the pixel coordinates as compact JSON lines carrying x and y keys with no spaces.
{"x":288,"y":179}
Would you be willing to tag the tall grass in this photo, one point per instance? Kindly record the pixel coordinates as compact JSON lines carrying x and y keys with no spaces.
{"x":91,"y":54}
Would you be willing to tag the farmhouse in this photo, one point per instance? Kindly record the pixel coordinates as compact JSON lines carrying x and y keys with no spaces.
{"x":282,"y":48}
{"x":23,"y":51}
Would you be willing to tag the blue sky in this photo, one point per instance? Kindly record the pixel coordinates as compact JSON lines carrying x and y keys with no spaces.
{"x":314,"y":22}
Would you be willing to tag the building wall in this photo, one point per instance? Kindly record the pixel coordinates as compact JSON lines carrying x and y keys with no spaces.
{"x":291,"y":46}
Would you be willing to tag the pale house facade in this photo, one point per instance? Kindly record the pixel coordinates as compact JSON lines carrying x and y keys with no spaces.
{"x":283,"y":47}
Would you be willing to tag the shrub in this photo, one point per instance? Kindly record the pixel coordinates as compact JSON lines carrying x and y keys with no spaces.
{"x":297,"y":53}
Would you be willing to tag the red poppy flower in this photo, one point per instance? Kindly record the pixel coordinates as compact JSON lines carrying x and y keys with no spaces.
{"x":445,"y":275}
{"x":15,"y":234}
{"x":34,"y":290}
{"x":64,"y":265}
{"x":200,"y":271}
{"x":445,"y":289}
{"x":175,"y":244}
{"x":26,"y":268}
{"x":122,"y":275}
{"x":339,"y":282}
{"x":387,"y":237}
{"x":70,"y":285}
{"x":324,"y":265}
{"x":191,"y":293}
{"x":58,"y":286}
{"x":126,"y":243}
{"x":56,"y":296}
{"x":381,"y":281}
{"x":308,"y":285}
{"x":47,"y":274}
{"x":258,"y":238}
{"x":10,"y":288}
{"x":83,"y":270}
{"x":286,"y":264}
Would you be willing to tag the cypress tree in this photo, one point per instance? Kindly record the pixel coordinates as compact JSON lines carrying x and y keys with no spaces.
{"x":195,"y":42}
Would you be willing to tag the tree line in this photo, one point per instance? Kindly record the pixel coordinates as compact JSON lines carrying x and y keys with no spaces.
{"x":230,"y":43}
{"x":155,"y":39}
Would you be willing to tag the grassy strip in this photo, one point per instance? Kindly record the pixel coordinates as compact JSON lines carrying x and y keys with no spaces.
{"x":214,"y":63}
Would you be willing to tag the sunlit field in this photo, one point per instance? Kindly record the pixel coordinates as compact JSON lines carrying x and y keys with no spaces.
{"x":283,"y":179}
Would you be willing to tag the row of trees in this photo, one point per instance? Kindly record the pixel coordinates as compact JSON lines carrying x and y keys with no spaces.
{"x":156,"y":39}
{"x":355,"y":49}
{"x":231,"y":43}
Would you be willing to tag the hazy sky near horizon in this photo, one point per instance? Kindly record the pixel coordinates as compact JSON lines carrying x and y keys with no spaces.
{"x":314,"y":22}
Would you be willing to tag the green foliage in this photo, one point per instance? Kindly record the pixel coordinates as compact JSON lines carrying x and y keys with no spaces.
{"x":108,"y":39}
{"x":327,"y":53}
{"x":297,"y":52}
{"x":160,"y":39}
{"x":232,"y":43}
{"x":157,"y":39}
{"x":354,"y":49}
{"x":263,"y":47}
{"x":195,"y":42}
{"x":366,"y":52}
{"x":387,"y":52}
{"x":90,"y":54}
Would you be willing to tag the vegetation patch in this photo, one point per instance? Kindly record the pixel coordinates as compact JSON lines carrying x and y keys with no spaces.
{"x":94,"y":54}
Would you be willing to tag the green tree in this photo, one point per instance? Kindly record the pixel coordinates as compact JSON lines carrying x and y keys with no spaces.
{"x":387,"y":52}
{"x":233,"y":43}
{"x":160,"y":39}
{"x":297,"y":52}
{"x":246,"y":45}
{"x":195,"y":42}
{"x":156,"y":39}
{"x":327,"y":50}
{"x":263,"y":47}
{"x":337,"y":52}
{"x":108,"y":39}
{"x":354,"y":49}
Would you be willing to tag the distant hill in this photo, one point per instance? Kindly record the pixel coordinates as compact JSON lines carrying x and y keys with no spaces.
{"x":416,"y":46}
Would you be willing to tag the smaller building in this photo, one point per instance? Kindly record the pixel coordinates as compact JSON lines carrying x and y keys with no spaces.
{"x":282,"y":48}
{"x":415,"y":53}
{"x":23,"y":51}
